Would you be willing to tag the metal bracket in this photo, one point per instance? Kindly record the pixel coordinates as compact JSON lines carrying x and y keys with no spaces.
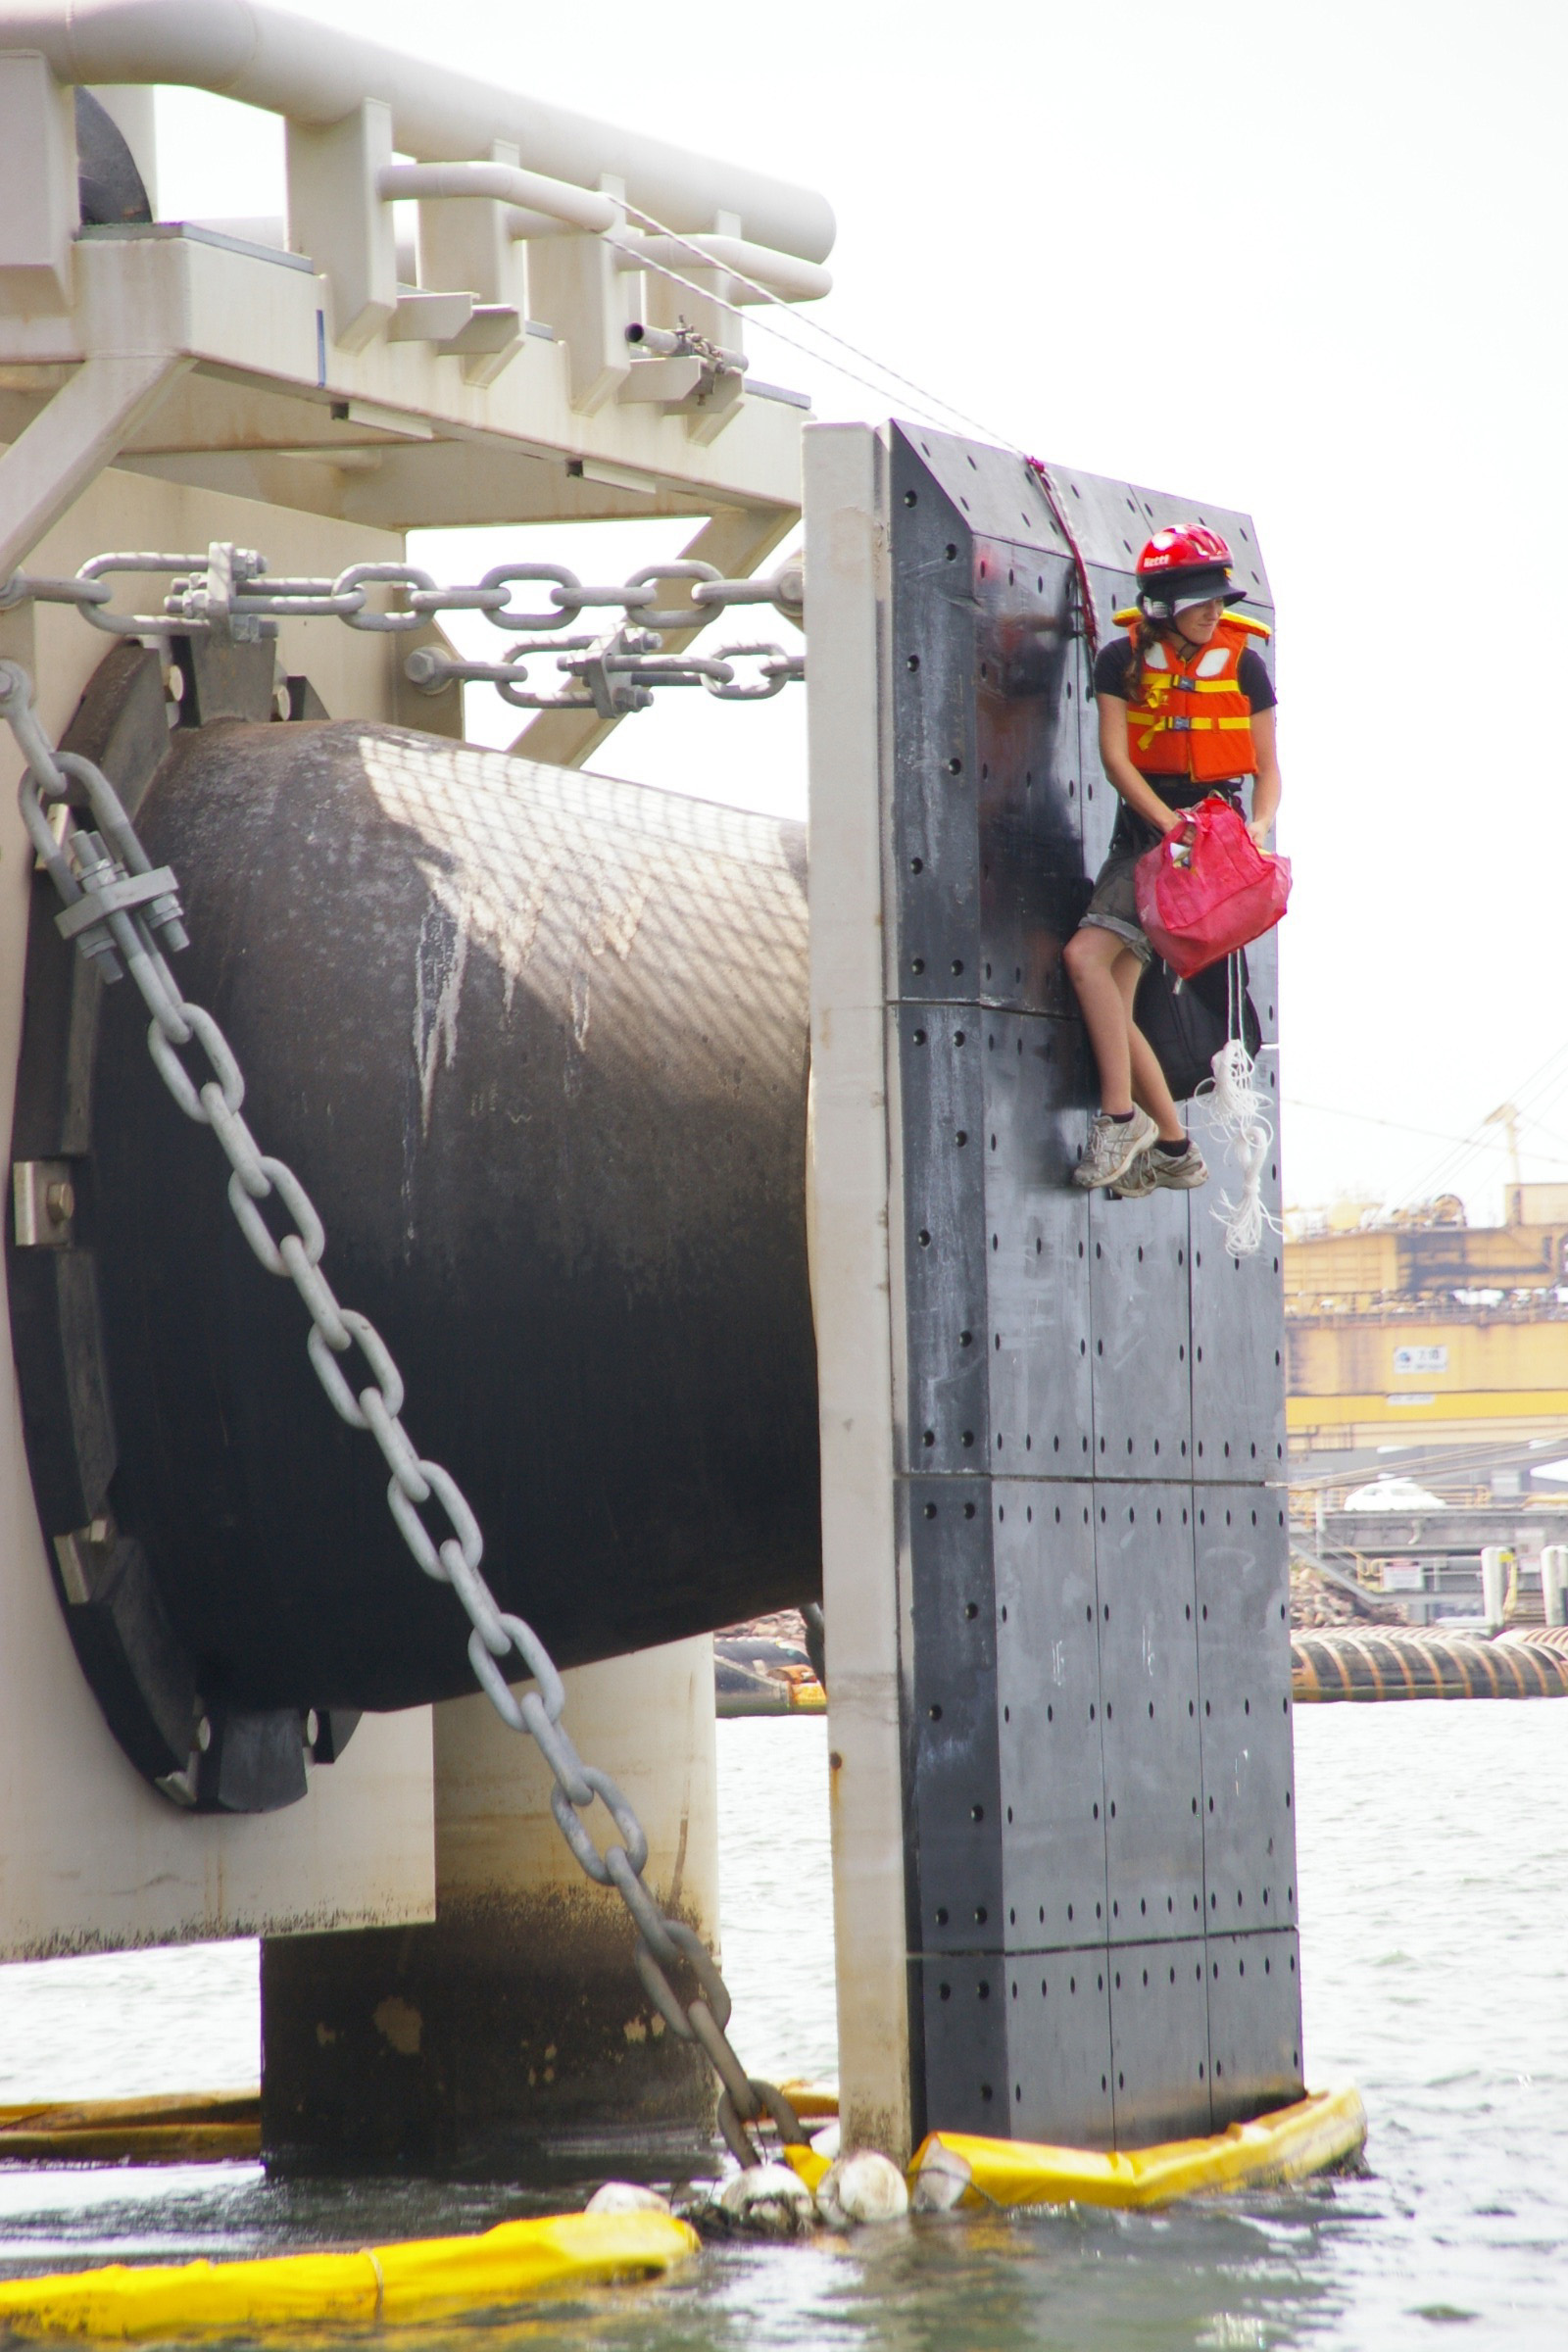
{"x":81,"y":1558}
{"x":101,"y":899}
{"x":44,"y":1203}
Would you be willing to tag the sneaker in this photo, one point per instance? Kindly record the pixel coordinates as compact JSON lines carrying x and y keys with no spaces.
{"x":1139,"y":1181}
{"x":1113,"y":1146}
{"x":1182,"y":1174}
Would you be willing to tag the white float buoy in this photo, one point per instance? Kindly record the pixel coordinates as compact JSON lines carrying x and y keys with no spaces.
{"x":770,"y":2198}
{"x":941,"y":2178}
{"x":627,"y":2196}
{"x":862,"y":2187}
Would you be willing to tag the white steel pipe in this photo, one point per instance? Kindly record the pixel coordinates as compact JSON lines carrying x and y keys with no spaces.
{"x":1495,"y":1559}
{"x":317,"y":73}
{"x":781,"y":273}
{"x":659,"y":343}
{"x":523,"y":223}
{"x":557,"y":199}
{"x":1554,"y":1583}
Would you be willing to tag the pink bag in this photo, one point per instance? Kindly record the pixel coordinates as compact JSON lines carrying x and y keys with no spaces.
{"x":1206,"y":889}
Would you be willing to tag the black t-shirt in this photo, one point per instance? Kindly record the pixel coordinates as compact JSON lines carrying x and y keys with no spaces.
{"x":1113,"y":665}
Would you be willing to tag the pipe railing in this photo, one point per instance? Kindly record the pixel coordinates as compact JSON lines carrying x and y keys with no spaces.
{"x":782,"y":273}
{"x":316,"y":74}
{"x":560,"y":203}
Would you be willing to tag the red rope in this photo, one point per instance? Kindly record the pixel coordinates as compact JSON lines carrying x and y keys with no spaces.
{"x":1037,"y":467}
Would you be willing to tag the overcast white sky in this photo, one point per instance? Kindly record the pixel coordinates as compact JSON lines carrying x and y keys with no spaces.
{"x":1302,"y":260}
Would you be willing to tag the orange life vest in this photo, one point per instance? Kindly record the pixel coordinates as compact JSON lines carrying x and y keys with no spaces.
{"x":1193,"y":722}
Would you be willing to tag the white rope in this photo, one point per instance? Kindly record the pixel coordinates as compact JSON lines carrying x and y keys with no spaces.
{"x":935,"y":407}
{"x":1239,"y":1111}
{"x":674,"y":277}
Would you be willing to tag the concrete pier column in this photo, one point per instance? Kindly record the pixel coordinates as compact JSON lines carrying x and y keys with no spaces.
{"x":513,"y":2035}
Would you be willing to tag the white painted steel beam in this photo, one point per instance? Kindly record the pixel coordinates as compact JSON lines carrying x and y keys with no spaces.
{"x":71,"y":440}
{"x":255,"y":325}
{"x":850,"y":1215}
{"x":39,"y":211}
{"x":336,"y":214}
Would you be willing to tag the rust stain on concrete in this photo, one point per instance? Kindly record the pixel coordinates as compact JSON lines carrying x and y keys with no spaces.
{"x":401,"y":2024}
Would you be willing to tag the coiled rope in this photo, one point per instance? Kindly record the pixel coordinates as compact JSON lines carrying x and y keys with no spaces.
{"x":1239,"y":1108}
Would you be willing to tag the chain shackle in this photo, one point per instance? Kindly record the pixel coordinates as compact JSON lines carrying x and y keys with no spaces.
{"x":766,"y":2098}
{"x":561,"y":609}
{"x":239,"y":1147}
{"x":775,"y":674}
{"x":141,"y":624}
{"x":387,"y":1385}
{"x":679,"y":616}
{"x":737,"y":2138}
{"x":630,"y":1856}
{"x":398,"y":1450}
{"x":444,"y":1488}
{"x":359,"y":576}
{"x":200,"y":1026}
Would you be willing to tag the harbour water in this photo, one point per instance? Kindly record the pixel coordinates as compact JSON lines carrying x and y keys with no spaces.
{"x":1434,"y":1890}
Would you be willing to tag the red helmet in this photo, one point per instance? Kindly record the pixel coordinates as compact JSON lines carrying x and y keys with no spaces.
{"x":1185,"y":564}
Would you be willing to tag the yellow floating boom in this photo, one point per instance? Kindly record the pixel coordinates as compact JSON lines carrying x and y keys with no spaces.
{"x":812,"y":2103}
{"x":424,"y":2279}
{"x":187,"y":2128}
{"x":1290,"y":2145}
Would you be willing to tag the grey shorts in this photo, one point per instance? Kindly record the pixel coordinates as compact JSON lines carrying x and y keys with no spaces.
{"x":1115,"y":904}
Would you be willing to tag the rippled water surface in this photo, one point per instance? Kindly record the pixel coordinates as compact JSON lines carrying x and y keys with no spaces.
{"x":1433,"y":1884}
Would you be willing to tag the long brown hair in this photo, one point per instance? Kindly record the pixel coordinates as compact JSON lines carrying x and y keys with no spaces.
{"x":1144,"y":632}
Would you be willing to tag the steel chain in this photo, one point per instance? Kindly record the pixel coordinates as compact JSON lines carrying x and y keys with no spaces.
{"x":119,"y":936}
{"x":615,"y":671}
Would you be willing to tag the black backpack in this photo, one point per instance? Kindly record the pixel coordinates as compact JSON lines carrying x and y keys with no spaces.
{"x":1187,"y":1021}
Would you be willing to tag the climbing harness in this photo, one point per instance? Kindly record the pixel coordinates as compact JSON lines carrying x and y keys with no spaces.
{"x":123,"y":913}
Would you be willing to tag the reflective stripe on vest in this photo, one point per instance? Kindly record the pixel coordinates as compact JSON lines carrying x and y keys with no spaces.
{"x":1195,"y":722}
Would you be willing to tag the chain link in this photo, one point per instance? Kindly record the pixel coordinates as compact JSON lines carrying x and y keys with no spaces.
{"x":614,"y":671}
{"x":91,"y":870}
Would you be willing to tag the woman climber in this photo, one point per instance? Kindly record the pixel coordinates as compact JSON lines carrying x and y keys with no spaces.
{"x":1186,"y":708}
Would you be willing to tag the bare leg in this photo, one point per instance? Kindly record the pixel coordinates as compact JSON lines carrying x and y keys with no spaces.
{"x":1093,"y":957}
{"x":1149,"y":1086}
